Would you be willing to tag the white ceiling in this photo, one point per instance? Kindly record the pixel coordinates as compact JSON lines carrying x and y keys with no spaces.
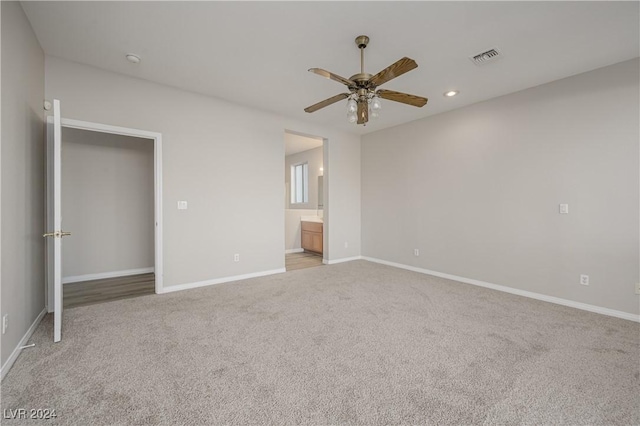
{"x":294,"y":144}
{"x":257,"y":53}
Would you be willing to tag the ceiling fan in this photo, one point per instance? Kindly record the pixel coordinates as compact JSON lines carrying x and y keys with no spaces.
{"x":364,"y":96}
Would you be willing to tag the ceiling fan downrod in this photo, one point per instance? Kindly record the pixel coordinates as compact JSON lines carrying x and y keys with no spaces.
{"x":361,"y":42}
{"x":363,"y":78}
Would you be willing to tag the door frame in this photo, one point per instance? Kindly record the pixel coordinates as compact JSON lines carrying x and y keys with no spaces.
{"x":325,"y":195}
{"x":157,"y":179}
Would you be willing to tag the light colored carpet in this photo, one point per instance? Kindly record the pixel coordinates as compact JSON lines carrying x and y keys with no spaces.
{"x":353,"y":343}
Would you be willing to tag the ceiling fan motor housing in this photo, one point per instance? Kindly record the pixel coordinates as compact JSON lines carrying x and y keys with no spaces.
{"x":361,"y":79}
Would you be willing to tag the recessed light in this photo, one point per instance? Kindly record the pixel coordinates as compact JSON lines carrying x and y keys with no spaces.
{"x":451,"y":93}
{"x":134,"y":59}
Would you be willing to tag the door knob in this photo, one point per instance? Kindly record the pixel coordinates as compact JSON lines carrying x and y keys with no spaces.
{"x":57,"y":234}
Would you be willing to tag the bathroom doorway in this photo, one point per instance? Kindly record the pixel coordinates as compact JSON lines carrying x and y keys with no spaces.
{"x":304,"y":182}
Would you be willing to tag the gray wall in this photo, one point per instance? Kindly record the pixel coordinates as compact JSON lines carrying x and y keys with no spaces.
{"x":22,"y":211}
{"x":107,"y":202}
{"x":225,"y":160}
{"x":293,"y":227}
{"x":477,"y":190}
{"x":314,"y":158}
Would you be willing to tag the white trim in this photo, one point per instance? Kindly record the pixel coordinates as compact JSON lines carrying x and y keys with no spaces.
{"x":14,"y":355}
{"x":344,"y":259}
{"x":48,"y":242}
{"x":158,"y":234}
{"x":296,"y":250}
{"x":106,"y":128}
{"x":104,"y":275}
{"x":530,"y":294}
{"x":188,"y":286}
{"x":157,"y":172}
{"x":57,"y":221}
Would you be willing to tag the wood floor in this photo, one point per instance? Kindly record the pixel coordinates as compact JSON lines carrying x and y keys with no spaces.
{"x":106,"y":290}
{"x":302,"y":260}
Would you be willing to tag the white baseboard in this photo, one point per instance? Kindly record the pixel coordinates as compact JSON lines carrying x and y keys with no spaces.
{"x":14,"y":355}
{"x":344,"y":259}
{"x":295,"y":250}
{"x":104,"y":275}
{"x":530,"y":294}
{"x":188,"y":286}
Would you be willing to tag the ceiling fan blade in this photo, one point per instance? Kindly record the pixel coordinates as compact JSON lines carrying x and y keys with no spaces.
{"x":332,"y":76}
{"x":363,"y":111}
{"x":404,"y":98}
{"x":392,"y":71}
{"x":327,"y":102}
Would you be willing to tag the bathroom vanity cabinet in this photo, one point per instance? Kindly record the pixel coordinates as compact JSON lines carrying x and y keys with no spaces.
{"x":312,"y":236}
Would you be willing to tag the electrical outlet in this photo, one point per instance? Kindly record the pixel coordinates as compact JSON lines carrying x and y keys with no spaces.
{"x":564,"y":208}
{"x":5,"y":323}
{"x":236,"y":257}
{"x":416,"y":252}
{"x":637,"y":288}
{"x":584,"y":279}
{"x":346,"y":244}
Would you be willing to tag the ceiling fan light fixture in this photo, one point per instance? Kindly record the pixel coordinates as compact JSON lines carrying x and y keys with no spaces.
{"x":352,"y":117}
{"x":376,"y":104}
{"x":352,"y":106}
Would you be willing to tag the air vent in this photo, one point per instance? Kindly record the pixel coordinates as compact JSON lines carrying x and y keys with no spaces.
{"x":484,"y":57}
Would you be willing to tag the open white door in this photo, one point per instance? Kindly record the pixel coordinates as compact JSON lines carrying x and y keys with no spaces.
{"x":55,"y":232}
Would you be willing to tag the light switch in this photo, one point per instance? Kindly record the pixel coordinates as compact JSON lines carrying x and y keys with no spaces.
{"x":182,"y":205}
{"x":564,"y":208}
